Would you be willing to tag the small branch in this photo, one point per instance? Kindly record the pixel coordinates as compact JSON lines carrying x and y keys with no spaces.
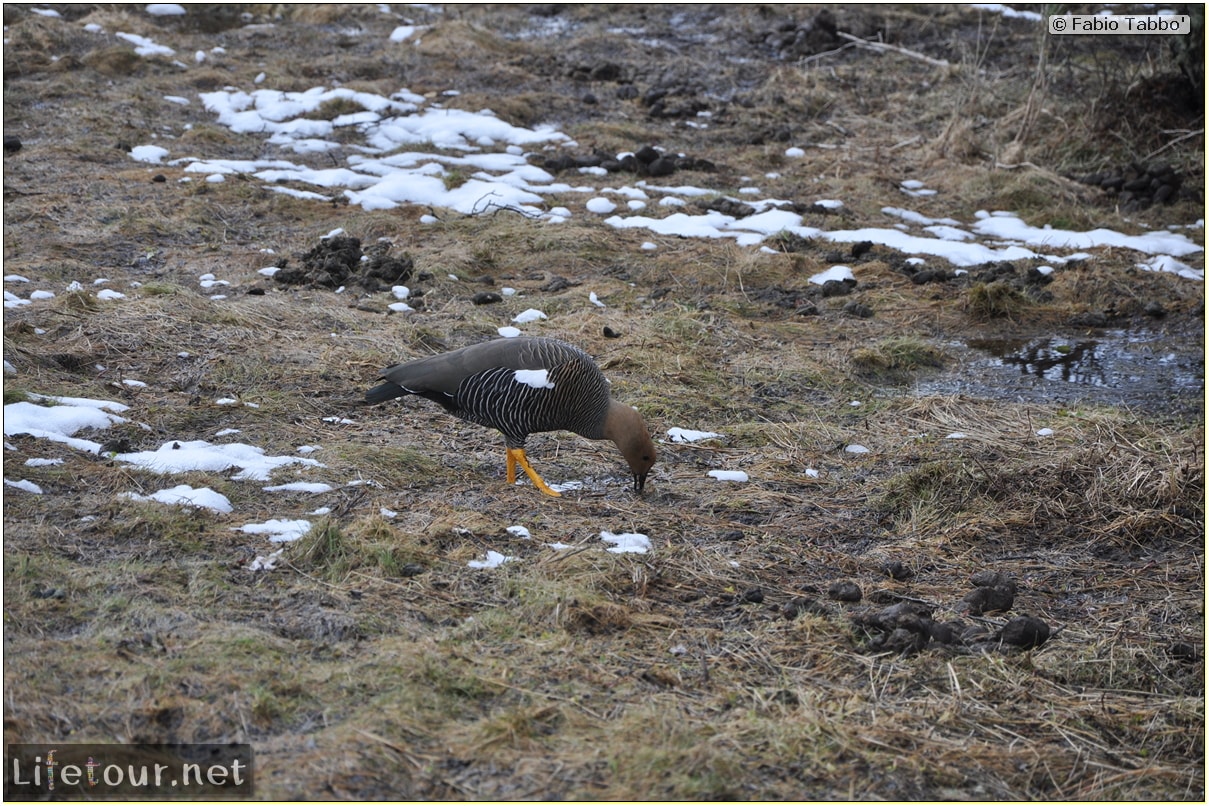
{"x":1011,"y":166}
{"x":827,"y":53}
{"x":492,"y":205}
{"x":883,"y":47}
{"x":1161,"y":149}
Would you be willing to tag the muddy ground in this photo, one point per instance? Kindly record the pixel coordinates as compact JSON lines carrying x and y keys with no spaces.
{"x":1008,"y":615}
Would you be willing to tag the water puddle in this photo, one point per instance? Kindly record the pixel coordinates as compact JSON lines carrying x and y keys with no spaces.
{"x":1162,"y":373}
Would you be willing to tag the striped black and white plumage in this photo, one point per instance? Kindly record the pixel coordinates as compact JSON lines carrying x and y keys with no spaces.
{"x":521,"y":386}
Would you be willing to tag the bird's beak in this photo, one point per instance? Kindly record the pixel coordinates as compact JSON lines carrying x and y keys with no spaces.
{"x":639,"y":482}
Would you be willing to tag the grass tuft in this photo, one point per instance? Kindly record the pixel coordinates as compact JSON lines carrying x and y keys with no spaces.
{"x":995,"y":300}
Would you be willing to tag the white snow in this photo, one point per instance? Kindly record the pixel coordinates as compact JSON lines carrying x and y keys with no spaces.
{"x":531,"y":315}
{"x":835,"y":273}
{"x":405,"y":32}
{"x":266,"y":563}
{"x":144,"y":46}
{"x":301,"y":487}
{"x":1157,"y":263}
{"x":518,"y":531}
{"x":152,"y":154}
{"x":595,"y":300}
{"x":508,"y":332}
{"x":23,"y":484}
{"x":856,"y":449}
{"x":58,"y":423}
{"x":1007,"y":11}
{"x":688,"y":435}
{"x":185,"y":456}
{"x":627,"y":542}
{"x":279,"y":531}
{"x":165,"y":9}
{"x":1011,"y":228}
{"x":600,"y":205}
{"x":381,"y":173}
{"x":186,"y":496}
{"x":728,"y":475}
{"x":493,"y":559}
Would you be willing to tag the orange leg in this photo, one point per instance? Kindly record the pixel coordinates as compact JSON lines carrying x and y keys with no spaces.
{"x":516,"y":456}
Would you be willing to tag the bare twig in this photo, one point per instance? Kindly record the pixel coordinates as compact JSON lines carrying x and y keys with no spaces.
{"x":1161,"y":149}
{"x":882,"y":47}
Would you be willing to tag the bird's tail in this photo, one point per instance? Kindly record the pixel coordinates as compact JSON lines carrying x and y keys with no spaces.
{"x":385,"y":392}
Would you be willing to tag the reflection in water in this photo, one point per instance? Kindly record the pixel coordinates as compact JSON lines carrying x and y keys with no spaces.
{"x":1078,"y":363}
{"x":1161,"y":372}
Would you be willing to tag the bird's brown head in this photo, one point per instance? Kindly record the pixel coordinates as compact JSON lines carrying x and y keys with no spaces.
{"x":625,"y":426}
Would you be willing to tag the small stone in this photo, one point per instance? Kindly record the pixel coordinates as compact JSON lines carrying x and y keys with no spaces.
{"x":1025,"y":631}
{"x":661,"y":167}
{"x":858,"y":310}
{"x":943,"y":632}
{"x":844,"y":591}
{"x":925,"y":276}
{"x":1155,"y":309}
{"x":1089,"y":319}
{"x":905,"y":641}
{"x":986,"y":600}
{"x":992,"y":579}
{"x":974,"y":633}
{"x":610,"y":333}
{"x":486,"y":298}
{"x":861,"y":248}
{"x":1183,"y":652}
{"x":12,"y":143}
{"x":606,"y":71}
{"x":647,"y":154}
{"x":802,"y":604}
{"x":556,"y":283}
{"x":896,"y":570}
{"x":588,"y":98}
{"x":836,"y":288}
{"x":159,"y":178}
{"x":411,"y":570}
{"x":753,"y":595}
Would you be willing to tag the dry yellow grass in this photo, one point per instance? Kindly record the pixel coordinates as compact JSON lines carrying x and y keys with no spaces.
{"x":374,"y":663}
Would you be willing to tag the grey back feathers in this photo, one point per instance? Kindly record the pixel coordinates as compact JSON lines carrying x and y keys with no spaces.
{"x":518,"y":386}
